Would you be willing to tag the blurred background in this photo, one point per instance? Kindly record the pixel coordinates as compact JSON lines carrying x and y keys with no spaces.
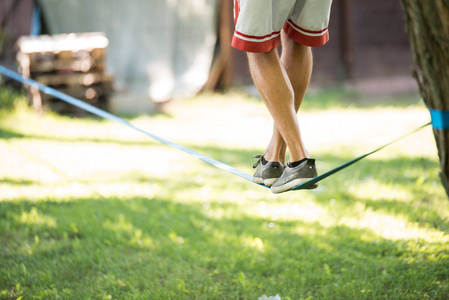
{"x":164,"y":49}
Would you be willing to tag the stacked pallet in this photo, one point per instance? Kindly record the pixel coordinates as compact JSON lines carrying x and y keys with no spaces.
{"x":71,"y":63}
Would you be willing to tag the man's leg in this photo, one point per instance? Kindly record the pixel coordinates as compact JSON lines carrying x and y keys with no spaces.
{"x":283,"y":95}
{"x":297,"y":62}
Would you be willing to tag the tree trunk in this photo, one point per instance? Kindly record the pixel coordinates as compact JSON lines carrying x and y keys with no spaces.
{"x":427,"y":23}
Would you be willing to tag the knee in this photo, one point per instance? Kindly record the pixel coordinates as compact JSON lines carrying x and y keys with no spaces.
{"x":295,"y":48}
{"x":258,"y":56}
{"x":263,"y":53}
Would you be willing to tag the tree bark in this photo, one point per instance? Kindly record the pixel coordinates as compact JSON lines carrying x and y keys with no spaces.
{"x":427,"y":24}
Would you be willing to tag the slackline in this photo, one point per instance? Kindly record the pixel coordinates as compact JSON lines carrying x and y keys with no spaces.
{"x":105,"y":115}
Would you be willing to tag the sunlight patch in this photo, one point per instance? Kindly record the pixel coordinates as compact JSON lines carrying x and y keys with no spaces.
{"x":307,"y":211}
{"x":176,"y":238}
{"x":34,"y":217}
{"x":373,"y":189}
{"x":394,"y":227}
{"x":255,"y":243}
{"x":124,"y":229}
{"x":265,"y":297}
{"x":42,"y":191}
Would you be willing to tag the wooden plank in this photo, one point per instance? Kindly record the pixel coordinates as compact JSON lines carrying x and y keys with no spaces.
{"x":86,"y":65}
{"x":72,"y":63}
{"x":221,"y":73}
{"x":346,"y":39}
{"x":85,"y":79}
{"x":65,"y":44}
{"x":65,"y":108}
{"x":97,"y":55}
{"x":83,"y":92}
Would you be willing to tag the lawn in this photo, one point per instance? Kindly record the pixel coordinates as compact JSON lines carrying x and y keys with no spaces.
{"x":90,"y":209}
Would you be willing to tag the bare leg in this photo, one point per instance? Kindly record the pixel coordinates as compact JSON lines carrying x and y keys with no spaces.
{"x":297,"y":62}
{"x":282,"y":84}
{"x":275,"y":88}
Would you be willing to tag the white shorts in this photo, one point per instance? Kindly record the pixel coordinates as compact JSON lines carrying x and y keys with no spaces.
{"x":258,"y":23}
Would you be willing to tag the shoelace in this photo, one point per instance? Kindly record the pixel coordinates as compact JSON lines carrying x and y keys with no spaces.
{"x":259,"y":161}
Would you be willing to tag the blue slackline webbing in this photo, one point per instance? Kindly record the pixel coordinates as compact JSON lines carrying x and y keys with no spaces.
{"x":345,"y":165}
{"x":103,"y":114}
{"x":440,"y":119}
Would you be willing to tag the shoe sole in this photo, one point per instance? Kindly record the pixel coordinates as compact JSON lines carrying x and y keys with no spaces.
{"x":291,"y":184}
{"x":267,"y":182}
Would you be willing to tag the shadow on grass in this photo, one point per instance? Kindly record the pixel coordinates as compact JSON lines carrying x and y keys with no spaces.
{"x":19,"y":182}
{"x":11,"y":134}
{"x":6,"y":134}
{"x":158,"y":248}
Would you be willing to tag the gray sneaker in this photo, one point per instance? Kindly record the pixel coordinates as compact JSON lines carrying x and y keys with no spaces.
{"x":295,"y":176}
{"x":268,"y":173}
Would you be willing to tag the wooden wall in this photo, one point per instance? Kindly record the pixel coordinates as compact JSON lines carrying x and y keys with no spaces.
{"x":15,"y":20}
{"x":367,"y":40}
{"x":380,"y":44}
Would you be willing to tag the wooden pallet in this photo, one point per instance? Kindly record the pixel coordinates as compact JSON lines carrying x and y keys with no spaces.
{"x":72,"y":63}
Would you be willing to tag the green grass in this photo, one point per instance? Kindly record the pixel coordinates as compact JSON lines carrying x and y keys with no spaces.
{"x":92,"y":210}
{"x":339,"y":97}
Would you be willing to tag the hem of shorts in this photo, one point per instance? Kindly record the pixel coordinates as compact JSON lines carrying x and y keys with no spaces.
{"x":258,"y":47}
{"x":304,"y":39}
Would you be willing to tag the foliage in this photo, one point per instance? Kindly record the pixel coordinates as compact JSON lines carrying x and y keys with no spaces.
{"x":10,"y":98}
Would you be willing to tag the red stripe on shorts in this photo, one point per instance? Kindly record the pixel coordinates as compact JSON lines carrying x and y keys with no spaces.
{"x":250,"y":46}
{"x":304,"y":39}
{"x":255,"y":36}
{"x":306,"y":30}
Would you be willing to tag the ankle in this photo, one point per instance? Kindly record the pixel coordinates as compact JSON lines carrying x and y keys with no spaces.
{"x":271,"y":157}
{"x":296,"y":163}
{"x":281,"y":159}
{"x":263,"y":161}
